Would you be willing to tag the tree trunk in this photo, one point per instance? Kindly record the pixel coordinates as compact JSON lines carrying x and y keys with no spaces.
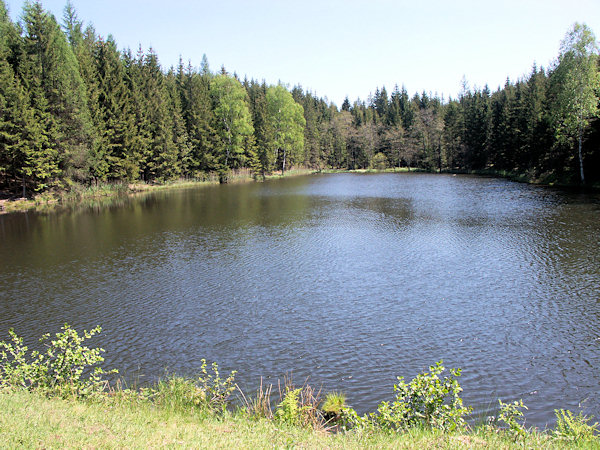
{"x":581,"y":158}
{"x":283,"y":165}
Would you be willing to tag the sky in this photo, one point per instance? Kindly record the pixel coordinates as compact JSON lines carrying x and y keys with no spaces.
{"x":339,"y":48}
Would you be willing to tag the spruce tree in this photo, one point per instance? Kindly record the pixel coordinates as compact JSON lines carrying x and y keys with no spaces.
{"x":52,"y":68}
{"x":116,"y":118}
{"x":197,"y":114}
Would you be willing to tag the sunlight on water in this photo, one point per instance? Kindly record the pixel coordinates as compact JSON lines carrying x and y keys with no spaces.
{"x":350,"y":280}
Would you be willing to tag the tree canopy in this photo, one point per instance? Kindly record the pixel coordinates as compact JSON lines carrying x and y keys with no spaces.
{"x":75,"y":109}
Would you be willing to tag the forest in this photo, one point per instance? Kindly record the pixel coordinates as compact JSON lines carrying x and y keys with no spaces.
{"x":77,"y":110}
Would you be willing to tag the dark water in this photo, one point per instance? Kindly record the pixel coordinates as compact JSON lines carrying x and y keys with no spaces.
{"x":349,"y":279}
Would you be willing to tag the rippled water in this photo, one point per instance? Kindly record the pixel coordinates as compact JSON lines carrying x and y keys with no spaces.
{"x":350,"y":280}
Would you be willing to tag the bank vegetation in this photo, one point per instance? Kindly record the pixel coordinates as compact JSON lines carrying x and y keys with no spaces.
{"x":61,"y":397}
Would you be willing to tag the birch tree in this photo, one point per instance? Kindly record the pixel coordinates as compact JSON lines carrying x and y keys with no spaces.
{"x":233,"y":121}
{"x":287,"y":122}
{"x":576,"y":83}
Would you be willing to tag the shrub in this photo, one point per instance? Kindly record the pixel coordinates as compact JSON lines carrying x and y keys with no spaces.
{"x":208,"y":392}
{"x":67,"y":368}
{"x":509,"y":412}
{"x":217,"y":389}
{"x":379,"y":162}
{"x":427,"y":400}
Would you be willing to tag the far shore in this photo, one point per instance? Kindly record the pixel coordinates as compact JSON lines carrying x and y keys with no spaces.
{"x":78,"y":194}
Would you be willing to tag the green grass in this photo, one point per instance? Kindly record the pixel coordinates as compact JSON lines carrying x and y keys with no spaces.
{"x":31,"y":420}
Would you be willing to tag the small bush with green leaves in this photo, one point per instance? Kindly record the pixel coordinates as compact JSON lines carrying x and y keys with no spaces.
{"x":217,"y":389}
{"x":509,"y":414}
{"x":428,"y":400}
{"x":66,"y":368}
{"x":574,"y":428}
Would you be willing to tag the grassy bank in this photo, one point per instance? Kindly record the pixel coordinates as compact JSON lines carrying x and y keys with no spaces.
{"x":32,"y":420}
{"x":60,"y":398}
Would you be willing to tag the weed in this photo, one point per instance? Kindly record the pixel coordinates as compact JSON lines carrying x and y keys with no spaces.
{"x":509,"y":412}
{"x":260,"y":405}
{"x":574,"y":428}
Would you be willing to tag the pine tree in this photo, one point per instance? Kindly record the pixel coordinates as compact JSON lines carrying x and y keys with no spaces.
{"x":263,"y":132}
{"x":115,"y":118}
{"x":179,"y":132}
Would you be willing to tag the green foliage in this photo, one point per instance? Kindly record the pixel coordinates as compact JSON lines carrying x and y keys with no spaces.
{"x":350,"y":420}
{"x":232,"y":119}
{"x":427,"y":400}
{"x":76,"y":110}
{"x":574,"y":428}
{"x":428,"y":407}
{"x":379,"y":162}
{"x":334,"y":403}
{"x":208,"y":392}
{"x":66,"y":368}
{"x":178,"y":393}
{"x":289,"y":411}
{"x":510,"y":413}
{"x":575,"y":88}
{"x":286,"y":119}
{"x":218,"y":390}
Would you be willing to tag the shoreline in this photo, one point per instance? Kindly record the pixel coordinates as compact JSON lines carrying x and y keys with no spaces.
{"x":105,"y":193}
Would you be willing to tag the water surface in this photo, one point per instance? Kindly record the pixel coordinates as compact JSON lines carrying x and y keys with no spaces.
{"x":348,"y":279}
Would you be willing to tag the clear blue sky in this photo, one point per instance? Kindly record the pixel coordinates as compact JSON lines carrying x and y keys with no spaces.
{"x":336,"y":48}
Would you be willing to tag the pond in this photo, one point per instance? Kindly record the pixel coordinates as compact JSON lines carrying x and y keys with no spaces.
{"x":348,"y":279}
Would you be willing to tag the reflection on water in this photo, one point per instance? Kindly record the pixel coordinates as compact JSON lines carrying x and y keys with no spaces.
{"x":349,"y":279}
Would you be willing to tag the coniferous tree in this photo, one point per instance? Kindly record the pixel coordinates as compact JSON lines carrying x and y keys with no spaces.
{"x":51,"y":66}
{"x":198,"y":116}
{"x":179,"y":131}
{"x":263,"y":132}
{"x":115,"y":118}
{"x":20,"y":135}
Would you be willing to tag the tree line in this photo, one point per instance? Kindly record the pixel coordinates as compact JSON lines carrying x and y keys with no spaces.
{"x":74,"y":109}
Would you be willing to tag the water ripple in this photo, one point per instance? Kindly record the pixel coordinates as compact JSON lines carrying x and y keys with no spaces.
{"x":350,"y":280}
